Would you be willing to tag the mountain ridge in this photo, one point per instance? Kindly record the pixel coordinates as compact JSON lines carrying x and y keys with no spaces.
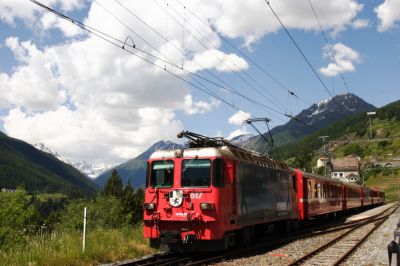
{"x":21,"y":164}
{"x":135,"y":169}
{"x":89,"y":169}
{"x":313,"y":118}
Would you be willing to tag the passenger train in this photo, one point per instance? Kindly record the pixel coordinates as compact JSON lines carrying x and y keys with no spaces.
{"x":213,"y":194}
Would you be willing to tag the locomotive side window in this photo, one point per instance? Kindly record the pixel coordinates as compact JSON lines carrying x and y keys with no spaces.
{"x":196,"y":173}
{"x":162,"y":174}
{"x":218,"y":173}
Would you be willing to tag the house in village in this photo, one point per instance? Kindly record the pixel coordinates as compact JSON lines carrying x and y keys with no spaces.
{"x":347,"y":168}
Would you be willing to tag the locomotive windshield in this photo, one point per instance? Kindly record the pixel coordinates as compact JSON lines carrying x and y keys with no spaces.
{"x":196,"y":173}
{"x":162,"y":174}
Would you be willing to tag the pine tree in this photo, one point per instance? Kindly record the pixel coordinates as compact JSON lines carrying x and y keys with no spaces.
{"x":138,"y":205}
{"x":113,"y":186}
{"x":128,"y":200}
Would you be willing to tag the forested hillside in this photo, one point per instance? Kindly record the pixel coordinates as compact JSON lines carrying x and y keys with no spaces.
{"x":21,"y":165}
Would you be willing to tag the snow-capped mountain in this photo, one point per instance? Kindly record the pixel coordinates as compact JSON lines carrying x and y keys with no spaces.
{"x":240,"y":140}
{"x":90,"y":170}
{"x":315,"y":117}
{"x":44,"y":148}
{"x":331,"y":109}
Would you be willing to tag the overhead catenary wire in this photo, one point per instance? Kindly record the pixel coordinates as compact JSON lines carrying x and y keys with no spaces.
{"x":172,"y":44}
{"x":116,"y":42}
{"x":179,"y":49}
{"x":329,"y":46}
{"x":262,"y":69}
{"x":274,"y":101}
{"x":121,"y":44}
{"x":190,"y":72}
{"x":299,"y":49}
{"x":232,"y":90}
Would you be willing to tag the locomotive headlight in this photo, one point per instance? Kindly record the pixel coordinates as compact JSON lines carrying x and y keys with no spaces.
{"x":149,"y":206}
{"x":206,"y":206}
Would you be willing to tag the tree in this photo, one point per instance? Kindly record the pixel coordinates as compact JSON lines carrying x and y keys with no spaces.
{"x":128,"y":201}
{"x":354,"y":149}
{"x":113,"y":186}
{"x":102,"y":213}
{"x":138,"y":205}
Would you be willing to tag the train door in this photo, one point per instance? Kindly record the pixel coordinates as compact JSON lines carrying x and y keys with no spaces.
{"x":230,"y":190}
{"x":294,"y":192}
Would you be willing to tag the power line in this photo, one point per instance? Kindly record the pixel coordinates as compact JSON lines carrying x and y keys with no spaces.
{"x":104,"y":36}
{"x":190,"y":72}
{"x":299,"y":49}
{"x":178,"y":48}
{"x":330,"y":49}
{"x":222,"y":61}
{"x":108,"y":38}
{"x":130,"y":28}
{"x":262,"y":69}
{"x":232,"y":90}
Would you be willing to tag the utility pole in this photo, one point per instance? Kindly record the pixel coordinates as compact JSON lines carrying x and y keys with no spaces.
{"x":324,"y":152}
{"x":370,"y":123}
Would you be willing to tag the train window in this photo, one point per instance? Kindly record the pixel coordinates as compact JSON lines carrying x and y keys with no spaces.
{"x":316,"y":190}
{"x":162,"y":173}
{"x":196,"y":173}
{"x":294,"y":180}
{"x":309,"y":190}
{"x":218,"y":173}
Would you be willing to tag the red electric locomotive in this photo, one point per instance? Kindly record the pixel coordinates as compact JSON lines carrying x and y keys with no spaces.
{"x":212,"y":194}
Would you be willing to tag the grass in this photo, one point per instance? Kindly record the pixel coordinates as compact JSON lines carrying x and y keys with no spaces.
{"x":388,"y":180}
{"x":65,"y":248}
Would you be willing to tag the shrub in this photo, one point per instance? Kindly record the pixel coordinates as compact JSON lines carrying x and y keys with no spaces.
{"x":354,"y":149}
{"x":384,"y":143}
{"x":102,"y":212}
{"x":18,"y":218}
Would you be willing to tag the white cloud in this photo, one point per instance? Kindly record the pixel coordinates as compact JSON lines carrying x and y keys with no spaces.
{"x":344,"y":60}
{"x":388,"y":13}
{"x":238,"y":132}
{"x":252,"y":19}
{"x":33,"y":84}
{"x":90,"y":101}
{"x":85,"y":134}
{"x":238,"y":118}
{"x":360,"y":23}
{"x":49,"y":21}
{"x":229,"y":17}
{"x":217,"y":60}
{"x":10,"y":10}
{"x":199,"y":107}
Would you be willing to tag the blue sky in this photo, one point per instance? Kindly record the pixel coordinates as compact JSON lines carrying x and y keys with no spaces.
{"x":90,"y":100}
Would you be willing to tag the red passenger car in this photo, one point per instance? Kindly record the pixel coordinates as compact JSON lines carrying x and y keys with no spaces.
{"x":318,"y":195}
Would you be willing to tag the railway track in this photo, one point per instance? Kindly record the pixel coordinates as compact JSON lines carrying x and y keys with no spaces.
{"x":356,"y":230}
{"x":341,"y":247}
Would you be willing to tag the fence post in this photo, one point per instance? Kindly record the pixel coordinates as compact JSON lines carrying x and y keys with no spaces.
{"x":84,"y":231}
